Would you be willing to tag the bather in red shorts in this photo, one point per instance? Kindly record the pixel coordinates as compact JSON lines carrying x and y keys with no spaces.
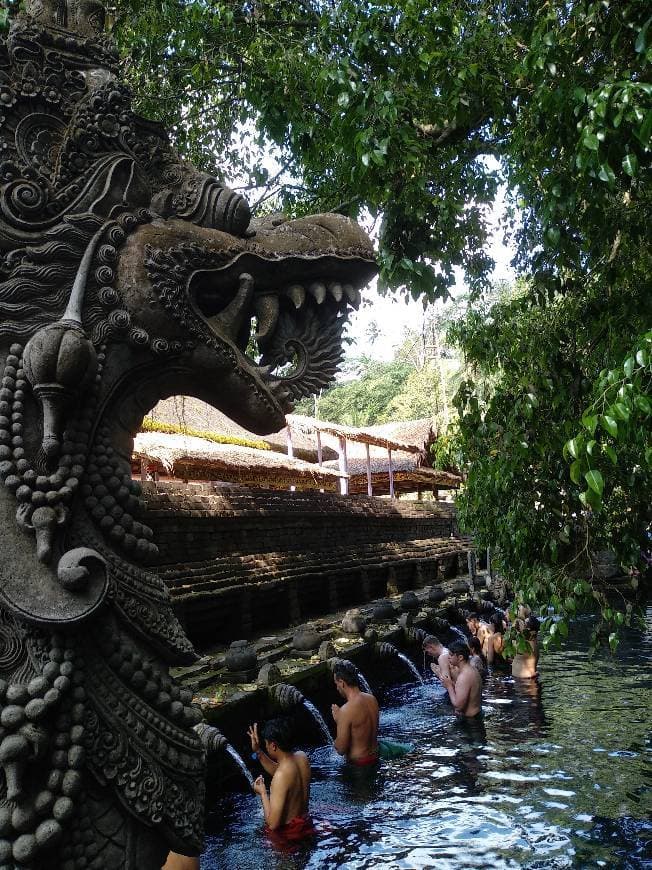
{"x":292,"y":832}
{"x":365,"y":761}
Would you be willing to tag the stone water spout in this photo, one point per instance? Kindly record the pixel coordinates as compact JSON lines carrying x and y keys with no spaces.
{"x":214,"y":741}
{"x":386,"y":650}
{"x":288,"y":698}
{"x":364,"y":685}
{"x":415,"y":636}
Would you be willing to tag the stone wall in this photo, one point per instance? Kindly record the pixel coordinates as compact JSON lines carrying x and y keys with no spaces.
{"x":240,"y":561}
{"x":197,"y":522}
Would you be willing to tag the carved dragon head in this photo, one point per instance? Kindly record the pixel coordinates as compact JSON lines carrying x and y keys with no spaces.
{"x":125,"y":276}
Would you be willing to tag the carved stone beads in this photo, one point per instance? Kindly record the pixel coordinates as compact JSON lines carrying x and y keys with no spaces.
{"x":42,"y":723}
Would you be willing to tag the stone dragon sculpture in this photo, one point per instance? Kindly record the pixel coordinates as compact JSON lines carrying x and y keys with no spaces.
{"x":125,"y":276}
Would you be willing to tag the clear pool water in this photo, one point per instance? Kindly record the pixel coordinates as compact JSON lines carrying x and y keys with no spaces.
{"x":559,"y":776}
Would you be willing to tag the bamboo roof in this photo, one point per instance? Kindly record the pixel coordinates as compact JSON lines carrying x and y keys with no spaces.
{"x":187,"y":457}
{"x":300,"y":423}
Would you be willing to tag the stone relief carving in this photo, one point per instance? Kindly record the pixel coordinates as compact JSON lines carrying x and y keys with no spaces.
{"x":125,"y":276}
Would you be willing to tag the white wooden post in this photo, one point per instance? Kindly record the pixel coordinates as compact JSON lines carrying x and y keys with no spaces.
{"x":344,"y":466}
{"x":319,"y":451}
{"x":391,"y":473}
{"x":290,"y":450}
{"x":370,"y":489}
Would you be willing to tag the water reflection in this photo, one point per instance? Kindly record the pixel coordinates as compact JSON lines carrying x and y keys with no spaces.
{"x":557,"y":775}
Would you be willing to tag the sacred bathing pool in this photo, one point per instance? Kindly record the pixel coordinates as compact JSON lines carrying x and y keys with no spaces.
{"x":128,"y":276}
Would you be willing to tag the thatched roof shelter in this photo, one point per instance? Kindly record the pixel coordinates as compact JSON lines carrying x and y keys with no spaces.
{"x":304,"y":445}
{"x":191,"y":413}
{"x":407,"y":475}
{"x":418,"y":433}
{"x":299,"y":423}
{"x":187,"y":457}
{"x":397,"y":452}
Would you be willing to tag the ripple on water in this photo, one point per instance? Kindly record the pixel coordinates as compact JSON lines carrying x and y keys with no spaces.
{"x":554,"y":778}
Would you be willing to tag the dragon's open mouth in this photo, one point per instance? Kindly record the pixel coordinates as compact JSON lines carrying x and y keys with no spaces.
{"x":286,"y":319}
{"x":273,"y":306}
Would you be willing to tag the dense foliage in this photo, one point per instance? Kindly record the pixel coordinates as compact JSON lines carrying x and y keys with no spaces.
{"x":380,"y":393}
{"x":389,"y":108}
{"x":417,"y":383}
{"x":556,"y":416}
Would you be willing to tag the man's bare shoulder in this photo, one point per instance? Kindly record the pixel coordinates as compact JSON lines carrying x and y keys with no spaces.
{"x":469,"y":676}
{"x":370,"y":700}
{"x":285,"y":772}
{"x":475,"y":677}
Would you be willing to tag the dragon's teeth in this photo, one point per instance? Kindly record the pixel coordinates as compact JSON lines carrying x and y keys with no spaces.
{"x":318,"y":290}
{"x":297,"y":294}
{"x":266,"y":314}
{"x":353,"y":295}
{"x":336,"y":291}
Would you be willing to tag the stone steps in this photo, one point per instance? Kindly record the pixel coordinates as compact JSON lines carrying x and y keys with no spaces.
{"x":274,"y":567}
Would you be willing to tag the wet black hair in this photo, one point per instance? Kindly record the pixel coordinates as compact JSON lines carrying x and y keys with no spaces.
{"x":459,"y":648}
{"x":475,"y":646}
{"x":496,"y":621}
{"x":347,"y":672}
{"x":279,"y":731}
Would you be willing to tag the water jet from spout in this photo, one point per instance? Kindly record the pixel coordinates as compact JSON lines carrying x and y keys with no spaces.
{"x":288,"y":697}
{"x":214,"y":741}
{"x":388,"y":650}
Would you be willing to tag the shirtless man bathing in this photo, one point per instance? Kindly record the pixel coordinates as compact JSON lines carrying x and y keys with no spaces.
{"x":433,"y":647}
{"x":356,"y":720}
{"x":466,"y":691}
{"x":286,"y":807}
{"x":525,"y":664}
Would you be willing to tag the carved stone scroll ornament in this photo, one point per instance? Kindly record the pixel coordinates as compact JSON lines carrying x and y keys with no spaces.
{"x":125,"y":276}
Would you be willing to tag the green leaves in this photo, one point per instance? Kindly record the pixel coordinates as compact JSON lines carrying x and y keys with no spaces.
{"x":590,"y":140}
{"x":609,"y":425}
{"x":573,"y":447}
{"x":630,"y":164}
{"x":595,"y":481}
{"x":641,"y":40}
{"x":590,"y":422}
